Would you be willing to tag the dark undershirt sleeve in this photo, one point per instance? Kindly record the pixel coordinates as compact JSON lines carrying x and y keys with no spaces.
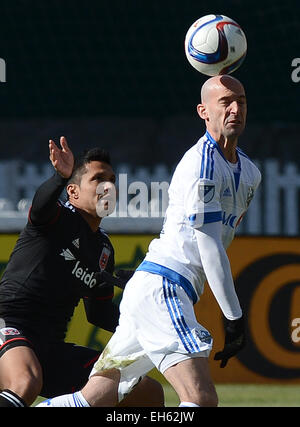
{"x":44,"y":205}
{"x":101,"y":311}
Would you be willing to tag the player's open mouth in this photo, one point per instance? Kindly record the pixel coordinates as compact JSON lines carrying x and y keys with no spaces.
{"x":234,"y":122}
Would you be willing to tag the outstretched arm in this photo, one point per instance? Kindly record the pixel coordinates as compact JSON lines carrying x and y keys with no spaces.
{"x":217,"y":268}
{"x":44,"y":205}
{"x":218,"y":273}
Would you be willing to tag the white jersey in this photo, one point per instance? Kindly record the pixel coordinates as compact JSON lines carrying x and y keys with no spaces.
{"x":205,"y":188}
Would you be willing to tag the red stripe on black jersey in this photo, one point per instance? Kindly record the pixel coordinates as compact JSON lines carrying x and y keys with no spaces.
{"x":12,"y":340}
{"x":107,"y":297}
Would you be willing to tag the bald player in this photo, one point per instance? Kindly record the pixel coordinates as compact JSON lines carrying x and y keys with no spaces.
{"x":210,"y":192}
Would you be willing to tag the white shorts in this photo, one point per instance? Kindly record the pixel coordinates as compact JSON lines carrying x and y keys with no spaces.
{"x":157,"y":328}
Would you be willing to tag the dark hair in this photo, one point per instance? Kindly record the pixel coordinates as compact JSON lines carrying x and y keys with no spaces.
{"x":79,"y":169}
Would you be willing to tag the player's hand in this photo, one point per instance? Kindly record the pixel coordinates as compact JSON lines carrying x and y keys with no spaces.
{"x":104,"y":278}
{"x":61,"y":159}
{"x":234,"y":340}
{"x":125,"y":275}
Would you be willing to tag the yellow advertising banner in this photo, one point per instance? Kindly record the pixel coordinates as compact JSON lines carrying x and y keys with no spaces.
{"x":266,"y":271}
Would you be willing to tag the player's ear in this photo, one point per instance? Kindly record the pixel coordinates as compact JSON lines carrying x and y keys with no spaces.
{"x":73,"y":191}
{"x":202,"y":111}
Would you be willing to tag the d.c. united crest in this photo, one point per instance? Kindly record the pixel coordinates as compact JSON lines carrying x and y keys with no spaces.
{"x":104,"y":258}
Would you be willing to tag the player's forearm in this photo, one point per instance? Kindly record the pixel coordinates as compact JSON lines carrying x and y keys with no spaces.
{"x":104,"y":315}
{"x":217,"y":269}
{"x":44,"y":204}
{"x":110,"y":322}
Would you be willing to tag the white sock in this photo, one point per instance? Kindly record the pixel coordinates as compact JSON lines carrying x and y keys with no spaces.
{"x":188,"y":404}
{"x":73,"y":400}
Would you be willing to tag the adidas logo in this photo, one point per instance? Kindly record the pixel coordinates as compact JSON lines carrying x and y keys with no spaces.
{"x":76,"y":243}
{"x":79,"y":272}
{"x":67,"y":254}
{"x":227,"y":192}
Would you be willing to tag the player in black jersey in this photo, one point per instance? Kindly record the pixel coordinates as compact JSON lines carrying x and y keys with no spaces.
{"x":60,"y":257}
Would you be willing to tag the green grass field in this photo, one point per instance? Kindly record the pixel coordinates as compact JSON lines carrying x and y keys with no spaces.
{"x":247,"y":395}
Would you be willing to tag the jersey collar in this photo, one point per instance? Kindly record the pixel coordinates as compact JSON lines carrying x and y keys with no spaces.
{"x":236,"y":174}
{"x":69,"y":205}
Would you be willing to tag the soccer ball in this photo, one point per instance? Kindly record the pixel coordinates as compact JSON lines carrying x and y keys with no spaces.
{"x":215,"y":44}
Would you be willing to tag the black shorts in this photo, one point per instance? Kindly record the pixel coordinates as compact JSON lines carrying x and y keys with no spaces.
{"x":66,"y":366}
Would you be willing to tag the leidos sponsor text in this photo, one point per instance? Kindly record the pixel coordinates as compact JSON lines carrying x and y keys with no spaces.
{"x":84,"y":275}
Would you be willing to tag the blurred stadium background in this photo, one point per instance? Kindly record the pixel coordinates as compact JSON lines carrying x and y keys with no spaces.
{"x":114,"y":74}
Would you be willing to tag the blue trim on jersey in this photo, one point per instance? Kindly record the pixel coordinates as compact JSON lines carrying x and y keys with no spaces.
{"x":207,"y":161}
{"x":212,"y":165}
{"x":237,"y":174}
{"x":208,"y":217}
{"x":203,"y":160}
{"x":177,"y":317}
{"x":215,"y":144}
{"x":192,"y":218}
{"x":212,"y":217}
{"x":173,"y":276}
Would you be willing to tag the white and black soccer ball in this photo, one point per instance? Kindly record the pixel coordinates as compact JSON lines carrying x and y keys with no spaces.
{"x":215,"y":44}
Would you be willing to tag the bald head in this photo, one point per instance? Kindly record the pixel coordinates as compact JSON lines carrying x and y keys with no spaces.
{"x":223,"y":107}
{"x":217,"y":83}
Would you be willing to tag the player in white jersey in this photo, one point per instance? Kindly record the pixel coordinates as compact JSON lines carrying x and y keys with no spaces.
{"x":205,"y":188}
{"x":210,"y":191}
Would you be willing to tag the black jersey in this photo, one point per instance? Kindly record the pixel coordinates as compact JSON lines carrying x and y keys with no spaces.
{"x":53,"y":266}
